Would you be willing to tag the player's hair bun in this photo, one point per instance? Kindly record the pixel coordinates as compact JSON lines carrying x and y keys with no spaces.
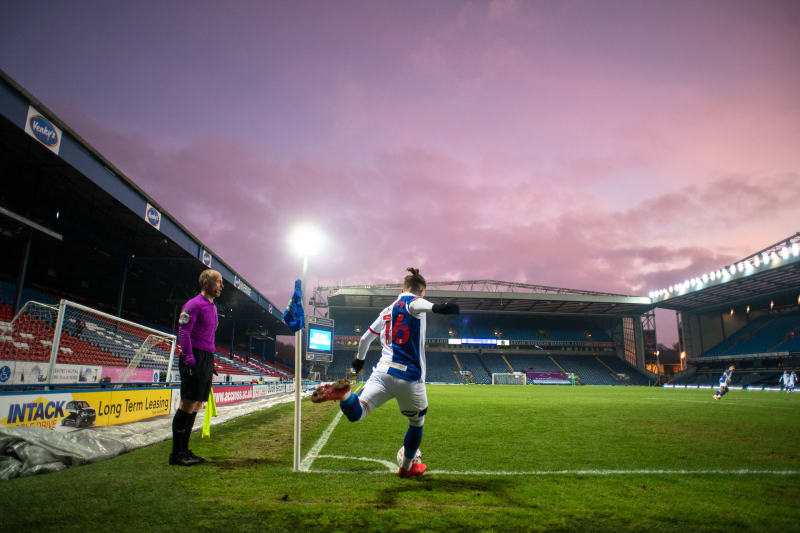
{"x":414,"y":271}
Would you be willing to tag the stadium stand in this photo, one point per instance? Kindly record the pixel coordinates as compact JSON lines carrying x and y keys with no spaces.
{"x":470,"y":362}
{"x":623,"y":367}
{"x":535,"y":363}
{"x":30,"y":339}
{"x":442,"y":368}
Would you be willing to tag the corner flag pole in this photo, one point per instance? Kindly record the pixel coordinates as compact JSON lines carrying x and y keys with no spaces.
{"x":298,"y":377}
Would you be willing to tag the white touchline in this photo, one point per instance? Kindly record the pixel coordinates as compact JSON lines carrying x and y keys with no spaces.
{"x":308,"y":460}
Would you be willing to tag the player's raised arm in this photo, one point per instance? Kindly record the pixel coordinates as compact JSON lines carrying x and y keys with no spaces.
{"x":421,"y":305}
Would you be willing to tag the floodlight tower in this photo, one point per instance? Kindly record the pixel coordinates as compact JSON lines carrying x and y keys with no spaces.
{"x":305,"y":241}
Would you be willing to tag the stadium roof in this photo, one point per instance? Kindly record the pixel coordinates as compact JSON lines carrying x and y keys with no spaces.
{"x":488,"y":296}
{"x":770,"y":272}
{"x":106,"y":221}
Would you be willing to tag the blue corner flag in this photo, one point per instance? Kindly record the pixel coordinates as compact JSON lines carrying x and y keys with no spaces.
{"x":294,"y":316}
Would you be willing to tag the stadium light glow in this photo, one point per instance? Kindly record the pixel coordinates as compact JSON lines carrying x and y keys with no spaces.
{"x":305,"y":241}
{"x":729,"y":272}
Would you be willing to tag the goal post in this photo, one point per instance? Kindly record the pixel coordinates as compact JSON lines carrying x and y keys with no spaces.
{"x":126,"y":351}
{"x":72,"y":343}
{"x":509,"y":378}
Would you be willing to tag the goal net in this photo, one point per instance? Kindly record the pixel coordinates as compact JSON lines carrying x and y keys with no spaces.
{"x":515,"y":378}
{"x":72,"y":343}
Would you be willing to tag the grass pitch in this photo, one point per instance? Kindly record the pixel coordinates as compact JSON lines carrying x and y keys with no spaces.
{"x":501,"y":458}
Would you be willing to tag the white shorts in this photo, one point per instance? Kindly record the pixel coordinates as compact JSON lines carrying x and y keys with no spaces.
{"x":382,"y":387}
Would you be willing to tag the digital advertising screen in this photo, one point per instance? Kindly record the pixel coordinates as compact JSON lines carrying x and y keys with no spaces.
{"x":320,"y":339}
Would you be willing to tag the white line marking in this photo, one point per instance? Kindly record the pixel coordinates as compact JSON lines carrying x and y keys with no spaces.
{"x":740,"y":402}
{"x":585,"y":472}
{"x":390,"y":466}
{"x":308,"y":460}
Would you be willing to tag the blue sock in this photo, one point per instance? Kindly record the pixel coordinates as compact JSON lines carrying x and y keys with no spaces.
{"x":351,"y":408}
{"x":412,"y":441}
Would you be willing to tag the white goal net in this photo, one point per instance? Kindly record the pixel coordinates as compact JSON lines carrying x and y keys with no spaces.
{"x":515,"y":378}
{"x":72,"y":343}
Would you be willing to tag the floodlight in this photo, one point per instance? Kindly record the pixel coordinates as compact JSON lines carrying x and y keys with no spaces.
{"x":765,"y":258}
{"x":732,"y":270}
{"x":795,"y":249}
{"x":705,"y":278}
{"x":773,"y":256}
{"x":719,"y":273}
{"x":305,"y":240}
{"x":785,"y":252}
{"x":670,"y":289}
{"x":756,"y":261}
{"x":740,"y":266}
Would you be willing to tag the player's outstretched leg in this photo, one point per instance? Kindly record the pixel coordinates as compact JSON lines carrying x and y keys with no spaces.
{"x":352,"y":408}
{"x":331,"y":391}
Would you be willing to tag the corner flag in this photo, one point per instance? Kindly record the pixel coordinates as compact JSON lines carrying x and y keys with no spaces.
{"x":294,"y":316}
{"x":211,"y":410}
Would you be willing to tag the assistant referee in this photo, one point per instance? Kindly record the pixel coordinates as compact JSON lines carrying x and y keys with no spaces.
{"x":196,"y":326}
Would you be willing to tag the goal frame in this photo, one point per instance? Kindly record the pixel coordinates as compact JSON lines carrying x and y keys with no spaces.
{"x":519,"y":376}
{"x":59,"y":326}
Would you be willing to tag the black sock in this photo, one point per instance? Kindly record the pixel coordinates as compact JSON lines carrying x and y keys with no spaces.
{"x":179,"y":431}
{"x":189,"y":426}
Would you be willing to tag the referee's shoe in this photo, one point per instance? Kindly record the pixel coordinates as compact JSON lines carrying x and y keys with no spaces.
{"x":184,"y":459}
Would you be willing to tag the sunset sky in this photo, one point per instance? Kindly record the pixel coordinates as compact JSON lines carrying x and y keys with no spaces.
{"x":608,"y":145}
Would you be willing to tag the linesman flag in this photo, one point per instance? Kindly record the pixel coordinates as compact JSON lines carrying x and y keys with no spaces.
{"x":294,"y":317}
{"x":211,"y":410}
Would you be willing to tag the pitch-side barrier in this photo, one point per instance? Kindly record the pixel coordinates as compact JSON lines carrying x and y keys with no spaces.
{"x":46,"y":431}
{"x":732,"y":387}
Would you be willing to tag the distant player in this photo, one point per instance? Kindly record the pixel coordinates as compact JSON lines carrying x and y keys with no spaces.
{"x":400,"y":373}
{"x":196,"y":326}
{"x":784,"y":381}
{"x":724,"y":382}
{"x":792,"y":381}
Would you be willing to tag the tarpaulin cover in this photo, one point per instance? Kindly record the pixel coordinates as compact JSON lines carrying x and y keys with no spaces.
{"x":29,"y":450}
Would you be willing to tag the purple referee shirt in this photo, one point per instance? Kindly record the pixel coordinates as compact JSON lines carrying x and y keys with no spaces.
{"x":196,"y":325}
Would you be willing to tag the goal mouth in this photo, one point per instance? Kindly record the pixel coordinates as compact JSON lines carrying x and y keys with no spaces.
{"x":509,"y":378}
